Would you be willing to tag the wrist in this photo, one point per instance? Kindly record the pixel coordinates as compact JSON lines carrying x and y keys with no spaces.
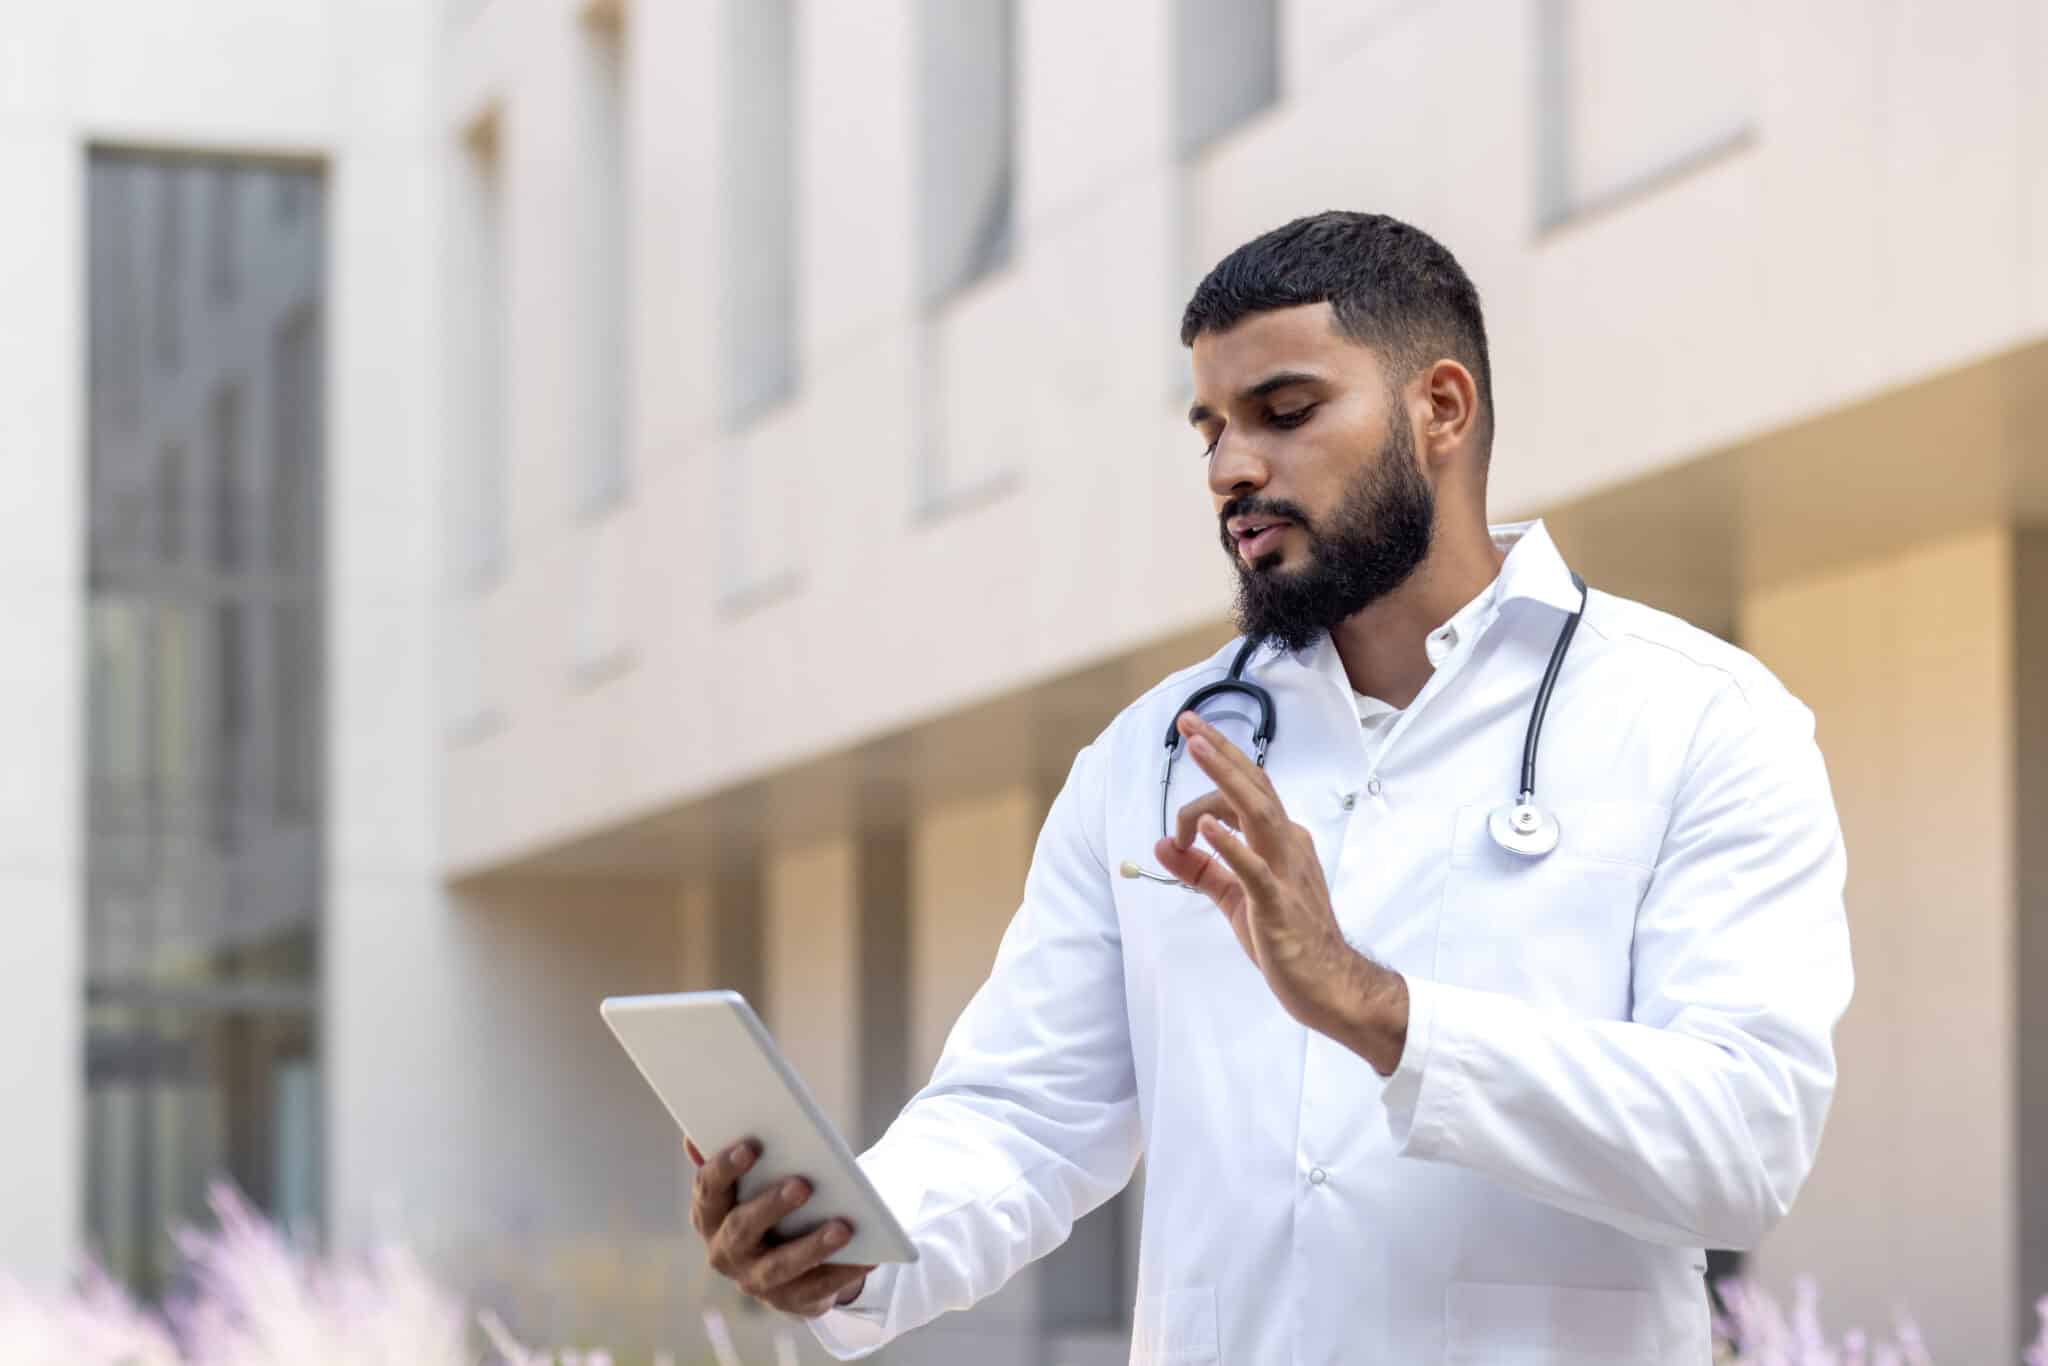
{"x":1370,"y":1013}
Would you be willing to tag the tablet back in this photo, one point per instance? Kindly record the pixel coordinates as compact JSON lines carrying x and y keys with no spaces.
{"x":717,"y":1069}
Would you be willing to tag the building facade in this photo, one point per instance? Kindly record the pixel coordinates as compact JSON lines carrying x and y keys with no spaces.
{"x":511,"y":501}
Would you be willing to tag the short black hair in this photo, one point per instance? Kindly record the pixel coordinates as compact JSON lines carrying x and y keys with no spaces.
{"x":1393,"y":287}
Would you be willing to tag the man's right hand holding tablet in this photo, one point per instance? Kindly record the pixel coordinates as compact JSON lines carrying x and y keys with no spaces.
{"x":740,"y":1245}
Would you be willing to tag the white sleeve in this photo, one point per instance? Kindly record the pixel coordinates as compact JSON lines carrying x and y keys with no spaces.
{"x":1695,"y":1122}
{"x":1031,"y":1118}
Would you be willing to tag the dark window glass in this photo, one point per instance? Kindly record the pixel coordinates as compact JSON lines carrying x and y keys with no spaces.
{"x":203,"y":679}
{"x":225,"y":420}
{"x":223,"y":272}
{"x":170,"y":503}
{"x":1226,"y":67}
{"x":168,"y":269}
{"x":295,"y":434}
{"x":757,"y":279}
{"x":967,"y":70}
{"x":295,"y":677}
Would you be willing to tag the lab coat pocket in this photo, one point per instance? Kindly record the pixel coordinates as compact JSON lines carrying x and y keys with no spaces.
{"x":1554,"y":930}
{"x":1177,"y":1327}
{"x":1548,"y":1325}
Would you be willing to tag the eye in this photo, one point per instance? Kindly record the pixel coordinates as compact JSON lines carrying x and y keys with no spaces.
{"x":1293,"y":419}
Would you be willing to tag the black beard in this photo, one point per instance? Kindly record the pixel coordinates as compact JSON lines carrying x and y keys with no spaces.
{"x":1370,"y":546}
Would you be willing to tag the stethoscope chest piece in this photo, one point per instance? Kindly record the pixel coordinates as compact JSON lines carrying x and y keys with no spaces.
{"x":1524,"y":829}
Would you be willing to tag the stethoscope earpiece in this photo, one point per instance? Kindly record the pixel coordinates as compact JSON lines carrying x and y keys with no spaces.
{"x":1130,"y":869}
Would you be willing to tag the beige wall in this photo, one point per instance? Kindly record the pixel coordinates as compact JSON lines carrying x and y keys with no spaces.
{"x":1783,"y":278}
{"x":1908,"y":664}
{"x":306,"y":78}
{"x":967,"y":866}
{"x":42,"y":886}
{"x":967,"y":860}
{"x":810,"y":960}
{"x":489,"y":1105}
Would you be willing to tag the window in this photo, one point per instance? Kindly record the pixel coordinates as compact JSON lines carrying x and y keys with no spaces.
{"x":221,"y":274}
{"x":757,"y":193}
{"x":294,"y":440}
{"x":170,"y":503}
{"x":224,"y":421}
{"x":202,"y":684}
{"x":1226,"y":67}
{"x":119,"y":341}
{"x":477,"y":362}
{"x":967,"y":154}
{"x":602,"y":254}
{"x":289,"y":191}
{"x":231,"y":668}
{"x":168,"y":270}
{"x":1632,"y":94}
{"x":295,"y":673}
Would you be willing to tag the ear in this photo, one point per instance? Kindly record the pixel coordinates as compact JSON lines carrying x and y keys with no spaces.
{"x":1451,"y":417}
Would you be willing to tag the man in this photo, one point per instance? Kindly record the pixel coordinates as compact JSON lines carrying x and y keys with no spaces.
{"x":1405,"y":1094}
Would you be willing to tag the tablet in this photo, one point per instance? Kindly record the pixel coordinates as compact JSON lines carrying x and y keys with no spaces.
{"x":716,"y":1068}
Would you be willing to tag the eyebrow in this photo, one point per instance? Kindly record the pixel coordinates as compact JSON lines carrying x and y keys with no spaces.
{"x":1200,"y":413}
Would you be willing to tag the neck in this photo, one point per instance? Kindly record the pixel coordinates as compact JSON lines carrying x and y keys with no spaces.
{"x":1383,"y":646}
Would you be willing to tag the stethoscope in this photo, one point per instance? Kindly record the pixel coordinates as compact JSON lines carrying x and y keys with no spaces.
{"x":1524,"y":828}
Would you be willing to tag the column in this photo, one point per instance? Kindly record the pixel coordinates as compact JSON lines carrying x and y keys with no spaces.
{"x":1908,"y":664}
{"x":810,"y":966}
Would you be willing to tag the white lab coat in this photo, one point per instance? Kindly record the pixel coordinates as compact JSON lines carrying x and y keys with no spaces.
{"x":1618,"y":1054}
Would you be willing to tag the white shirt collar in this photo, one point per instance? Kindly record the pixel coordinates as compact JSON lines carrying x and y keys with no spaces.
{"x":1533,"y":569}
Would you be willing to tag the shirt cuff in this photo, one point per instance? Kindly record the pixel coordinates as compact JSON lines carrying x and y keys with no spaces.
{"x":856,"y":1328}
{"x":1408,"y":1092}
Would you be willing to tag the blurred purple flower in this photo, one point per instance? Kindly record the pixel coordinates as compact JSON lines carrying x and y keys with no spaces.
{"x":93,"y":1323}
{"x":2037,"y":1355}
{"x":253,"y":1299}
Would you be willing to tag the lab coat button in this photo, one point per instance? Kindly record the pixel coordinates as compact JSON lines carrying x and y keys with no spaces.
{"x":1372,"y":785}
{"x":1317,"y":1177}
{"x":1350,"y":800}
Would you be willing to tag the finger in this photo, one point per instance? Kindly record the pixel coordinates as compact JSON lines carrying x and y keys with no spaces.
{"x":1252,"y":871}
{"x":1243,"y":785}
{"x":1210,"y":804}
{"x":712,"y":1193}
{"x":778,"y":1267}
{"x":1193,"y":726}
{"x":689,"y":1147}
{"x":812,"y":1293}
{"x":1199,"y":869}
{"x":749,"y":1223}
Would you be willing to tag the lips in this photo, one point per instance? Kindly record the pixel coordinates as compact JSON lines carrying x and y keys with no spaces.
{"x":1257,"y":535}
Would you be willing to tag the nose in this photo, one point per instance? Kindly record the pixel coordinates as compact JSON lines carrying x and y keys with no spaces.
{"x":1236,"y":467}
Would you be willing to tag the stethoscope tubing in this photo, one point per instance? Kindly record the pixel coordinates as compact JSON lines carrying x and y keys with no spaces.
{"x":1537,"y":712}
{"x":1524,"y":815}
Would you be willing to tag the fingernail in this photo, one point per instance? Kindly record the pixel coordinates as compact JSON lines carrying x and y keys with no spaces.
{"x":793,"y":1188}
{"x":837,"y":1234}
{"x":743,"y":1157}
{"x":1198,"y":746}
